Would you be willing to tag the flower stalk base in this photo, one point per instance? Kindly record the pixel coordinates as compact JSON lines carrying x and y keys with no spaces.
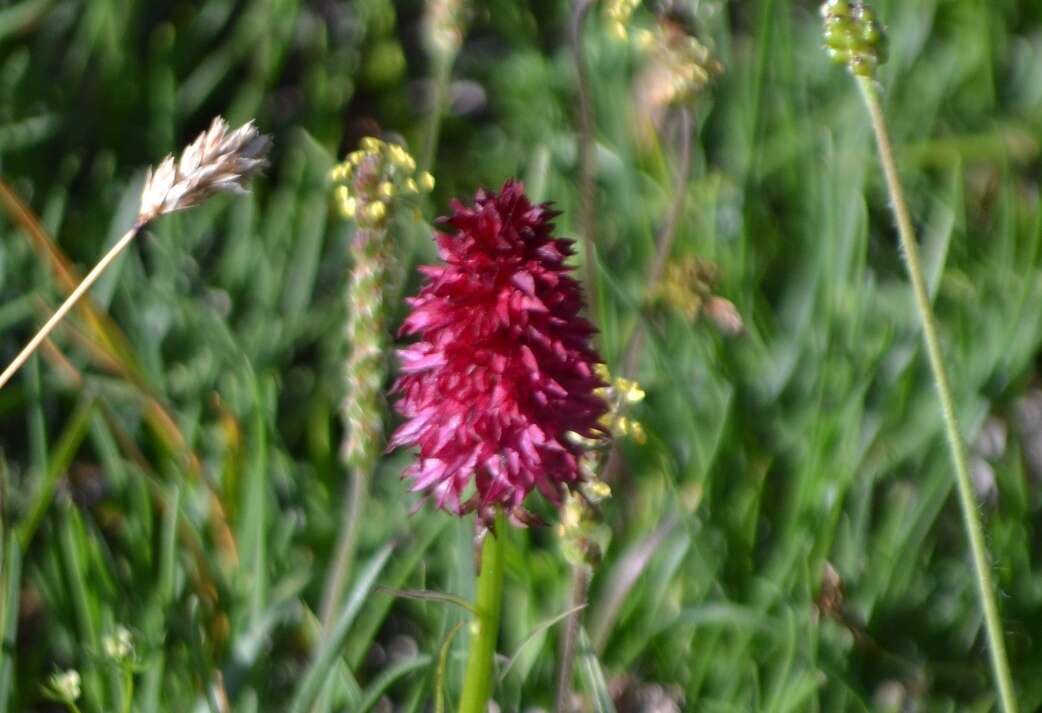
{"x":488,"y":602}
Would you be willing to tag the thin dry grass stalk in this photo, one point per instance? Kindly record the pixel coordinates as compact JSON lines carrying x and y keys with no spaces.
{"x":216,"y":162}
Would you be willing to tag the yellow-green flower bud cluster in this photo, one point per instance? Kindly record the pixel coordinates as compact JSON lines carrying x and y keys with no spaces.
{"x":678,"y":66}
{"x":687,"y":65}
{"x":370,"y":185}
{"x":853,"y":36}
{"x":688,"y":288}
{"x":583,"y":536}
{"x":619,"y":13}
{"x":620,"y":394}
{"x":372,"y":179}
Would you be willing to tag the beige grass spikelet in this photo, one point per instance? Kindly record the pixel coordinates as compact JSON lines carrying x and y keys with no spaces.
{"x":217,"y":161}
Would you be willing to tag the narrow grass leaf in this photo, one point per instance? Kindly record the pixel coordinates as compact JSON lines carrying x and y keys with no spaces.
{"x":427,"y":595}
{"x":330,"y":648}
{"x":376,"y":608}
{"x":592,"y":675}
{"x":64,"y":450}
{"x":439,"y":674}
{"x":10,"y":590}
{"x":536,"y":632}
{"x":388,"y":677}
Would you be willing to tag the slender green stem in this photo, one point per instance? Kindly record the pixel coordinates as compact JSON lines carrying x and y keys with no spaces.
{"x":361,"y":410}
{"x":484,"y":629}
{"x":346,"y":546}
{"x":967,"y":500}
{"x":581,"y":575}
{"x":588,"y":190}
{"x":440,"y":80}
{"x":128,"y":689}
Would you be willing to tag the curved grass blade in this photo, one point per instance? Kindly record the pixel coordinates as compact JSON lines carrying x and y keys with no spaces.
{"x":428,"y":595}
{"x":330,"y":648}
{"x":439,"y":676}
{"x":541,"y":628}
{"x":593,"y":675}
{"x":389,"y":676}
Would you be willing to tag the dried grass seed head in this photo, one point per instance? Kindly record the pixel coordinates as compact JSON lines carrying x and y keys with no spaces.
{"x":218,"y":161}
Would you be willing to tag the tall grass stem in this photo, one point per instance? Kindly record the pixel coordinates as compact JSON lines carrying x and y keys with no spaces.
{"x":588,"y":185}
{"x":346,"y":547}
{"x":70,"y":302}
{"x":440,"y":91}
{"x":580,"y":590}
{"x":967,"y":500}
{"x":488,"y":602}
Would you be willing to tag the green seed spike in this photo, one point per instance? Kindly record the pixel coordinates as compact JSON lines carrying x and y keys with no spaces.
{"x":853,"y":36}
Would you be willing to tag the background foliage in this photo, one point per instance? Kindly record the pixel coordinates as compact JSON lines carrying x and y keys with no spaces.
{"x":171,"y":467}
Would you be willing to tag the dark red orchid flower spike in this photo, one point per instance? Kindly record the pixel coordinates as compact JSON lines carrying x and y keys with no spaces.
{"x":503,"y":370}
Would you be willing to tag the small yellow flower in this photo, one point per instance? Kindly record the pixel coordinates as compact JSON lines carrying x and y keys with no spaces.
{"x":629,"y":390}
{"x":376,"y":211}
{"x":348,"y":206}
{"x":596,"y":490}
{"x":619,"y":13}
{"x":644,"y":38}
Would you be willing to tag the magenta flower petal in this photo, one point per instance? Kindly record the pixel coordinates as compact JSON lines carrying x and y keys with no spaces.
{"x":502,"y":369}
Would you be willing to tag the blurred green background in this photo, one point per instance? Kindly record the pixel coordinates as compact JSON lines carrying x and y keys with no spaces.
{"x":169,"y":463}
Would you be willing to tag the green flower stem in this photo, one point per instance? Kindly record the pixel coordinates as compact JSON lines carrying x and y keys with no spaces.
{"x":362,"y":408}
{"x":588,"y":198}
{"x":441,"y":80}
{"x":488,"y":601}
{"x":967,"y":501}
{"x":581,"y":575}
{"x":346,"y":547}
{"x":128,"y":688}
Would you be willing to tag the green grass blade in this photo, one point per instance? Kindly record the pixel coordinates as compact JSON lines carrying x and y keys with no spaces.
{"x":64,"y":450}
{"x":10,"y":591}
{"x":388,"y":677}
{"x":330,"y":648}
